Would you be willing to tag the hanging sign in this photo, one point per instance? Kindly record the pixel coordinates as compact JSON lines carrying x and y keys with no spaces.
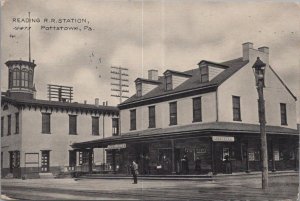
{"x":116,"y":146}
{"x":222,"y":139}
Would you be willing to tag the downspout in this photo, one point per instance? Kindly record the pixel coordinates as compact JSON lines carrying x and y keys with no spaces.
{"x":217,"y":106}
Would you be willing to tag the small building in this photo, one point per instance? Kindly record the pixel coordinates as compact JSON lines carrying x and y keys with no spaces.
{"x":36,"y":134}
{"x":197,"y":121}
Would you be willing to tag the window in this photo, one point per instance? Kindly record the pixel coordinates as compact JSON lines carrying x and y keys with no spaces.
{"x":10,"y":79}
{"x":14,"y":160}
{"x":236,"y":108}
{"x":72,"y":124}
{"x":72,"y":158}
{"x":8,"y":124}
{"x":283,"y":114}
{"x":95,"y":125}
{"x":173,"y":113}
{"x":24,"y":78}
{"x":197,"y":113}
{"x":30,"y":78}
{"x":16,"y":77}
{"x":168,"y":80}
{"x":17,"y":123}
{"x":46,"y":127}
{"x":151,"y":116}
{"x":204,"y":74}
{"x":132,"y":119}
{"x":115,"y":126}
{"x":2,"y":126}
{"x":139,"y":89}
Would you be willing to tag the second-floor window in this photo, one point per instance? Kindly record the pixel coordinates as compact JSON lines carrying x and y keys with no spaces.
{"x":95,"y":125}
{"x":283,"y":115}
{"x":197,"y":113}
{"x":2,"y":126}
{"x":46,"y":123}
{"x":173,"y":113}
{"x":73,"y":124}
{"x":132,"y":119}
{"x":236,"y":108}
{"x":204,"y":74}
{"x":152,"y":117}
{"x":168,"y":80}
{"x":17,"y":123}
{"x":8,"y":124}
{"x":115,"y":126}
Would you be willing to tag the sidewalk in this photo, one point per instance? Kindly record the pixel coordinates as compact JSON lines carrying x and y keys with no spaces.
{"x":207,"y":177}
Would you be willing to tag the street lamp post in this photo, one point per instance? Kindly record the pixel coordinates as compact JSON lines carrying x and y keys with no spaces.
{"x":259,"y":72}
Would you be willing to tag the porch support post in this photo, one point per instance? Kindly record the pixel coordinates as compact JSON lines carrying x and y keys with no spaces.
{"x":273,"y":157}
{"x":173,"y":157}
{"x":247,"y":158}
{"x":296,"y":154}
{"x":114,"y":160}
{"x":213,"y":157}
{"x":91,"y":160}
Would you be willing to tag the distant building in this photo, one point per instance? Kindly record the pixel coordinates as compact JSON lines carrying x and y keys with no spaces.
{"x":36,"y":134}
{"x":192,"y":122}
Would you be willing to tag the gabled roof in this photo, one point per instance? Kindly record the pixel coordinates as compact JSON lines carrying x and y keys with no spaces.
{"x":36,"y":103}
{"x":147,"y":81}
{"x":191,"y":130}
{"x":213,"y":63}
{"x":177,"y":73}
{"x":191,"y":84}
{"x":283,"y":83}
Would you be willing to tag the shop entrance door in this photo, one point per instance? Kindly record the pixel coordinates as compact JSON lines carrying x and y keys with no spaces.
{"x":45,"y":161}
{"x":165,"y":160}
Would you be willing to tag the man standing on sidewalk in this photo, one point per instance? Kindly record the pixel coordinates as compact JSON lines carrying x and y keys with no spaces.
{"x":134,"y":171}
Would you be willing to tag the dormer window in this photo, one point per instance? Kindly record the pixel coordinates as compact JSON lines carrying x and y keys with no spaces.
{"x":168,"y":80}
{"x":139,"y":89}
{"x":204,"y":74}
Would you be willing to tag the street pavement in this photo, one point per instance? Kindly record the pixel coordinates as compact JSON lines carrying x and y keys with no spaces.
{"x":282,"y":187}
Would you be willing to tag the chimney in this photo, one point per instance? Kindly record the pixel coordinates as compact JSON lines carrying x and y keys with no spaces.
{"x":153,"y":74}
{"x":264,"y":49}
{"x":84,"y":101}
{"x":97,"y":102}
{"x":103,"y":103}
{"x":106,"y":103}
{"x":246,"y":47}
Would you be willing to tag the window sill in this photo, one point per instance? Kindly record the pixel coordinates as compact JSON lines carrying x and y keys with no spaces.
{"x":284,"y":124}
{"x":237,"y":120}
{"x":132,"y":129}
{"x":172,"y":124}
{"x":17,"y":133}
{"x":73,"y":133}
{"x":46,"y":132}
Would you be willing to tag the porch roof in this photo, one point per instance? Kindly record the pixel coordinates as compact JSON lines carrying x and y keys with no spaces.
{"x":192,"y":130}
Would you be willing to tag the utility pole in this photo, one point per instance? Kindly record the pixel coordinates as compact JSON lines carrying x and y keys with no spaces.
{"x":259,"y":72}
{"x":119,"y":82}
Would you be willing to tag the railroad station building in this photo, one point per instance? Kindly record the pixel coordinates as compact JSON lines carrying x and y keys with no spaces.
{"x":203,"y":116}
{"x":36,"y":134}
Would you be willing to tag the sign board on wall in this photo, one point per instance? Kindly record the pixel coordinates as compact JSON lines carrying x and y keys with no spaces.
{"x":222,"y":139}
{"x":116,"y":146}
{"x":251,"y":156}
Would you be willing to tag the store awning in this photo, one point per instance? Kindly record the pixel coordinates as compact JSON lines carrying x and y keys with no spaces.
{"x":182,"y":132}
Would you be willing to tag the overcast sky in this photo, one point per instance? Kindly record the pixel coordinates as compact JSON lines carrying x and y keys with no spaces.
{"x":145,"y":35}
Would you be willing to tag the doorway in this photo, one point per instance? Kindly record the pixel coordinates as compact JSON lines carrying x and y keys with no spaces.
{"x":45,"y":161}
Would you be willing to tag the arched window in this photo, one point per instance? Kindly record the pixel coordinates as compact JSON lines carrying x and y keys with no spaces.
{"x":16,"y":77}
{"x":30,"y":78}
{"x":10,"y":79}
{"x":24,"y":78}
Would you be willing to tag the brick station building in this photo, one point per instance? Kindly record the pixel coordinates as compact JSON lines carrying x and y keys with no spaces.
{"x":203,"y":116}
